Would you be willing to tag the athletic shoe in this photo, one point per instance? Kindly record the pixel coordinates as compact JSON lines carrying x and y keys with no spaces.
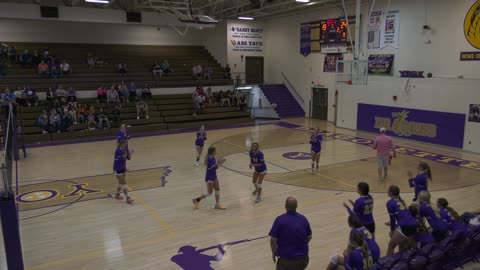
{"x":255,"y":192}
{"x":197,"y":164}
{"x":195,"y":203}
{"x":258,"y":200}
{"x":313,"y":172}
{"x":119,"y":197}
{"x":380,"y":180}
{"x":130,"y":200}
{"x":164,"y":182}
{"x":219,"y":207}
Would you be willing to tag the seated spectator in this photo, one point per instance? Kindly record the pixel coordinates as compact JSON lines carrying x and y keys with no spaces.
{"x":209,"y":95}
{"x":72,"y":110}
{"x":101,"y":93}
{"x":36,"y":59}
{"x":207,"y":72}
{"x":242,"y":103}
{"x":197,"y":102}
{"x":67,"y":122}
{"x":233,"y":98}
{"x":71,"y":95}
{"x":46,"y":52}
{"x":197,"y":72}
{"x":219,"y":96}
{"x":123,"y":92}
{"x":157,"y":70}
{"x":31,"y":96}
{"x":102,"y":118}
{"x":19,"y":96}
{"x":226,"y":72}
{"x":65,"y":68}
{"x":132,"y":91}
{"x":82,"y":113}
{"x":165,"y":67}
{"x":61,"y":94}
{"x":42,"y":122}
{"x":356,"y":256}
{"x":225,"y":98}
{"x":12,"y":55}
{"x":142,"y":109}
{"x":43,"y":68}
{"x":8,"y":97}
{"x":91,"y":123}
{"x":55,"y":121}
{"x":122,"y":69}
{"x":25,"y":58}
{"x":91,"y":63}
{"x":51,"y":97}
{"x":146,"y":93}
{"x":113,"y":98}
{"x":471,"y":218}
{"x":116,"y":115}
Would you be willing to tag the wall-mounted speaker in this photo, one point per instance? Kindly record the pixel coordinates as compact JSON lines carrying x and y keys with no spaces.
{"x":48,"y":12}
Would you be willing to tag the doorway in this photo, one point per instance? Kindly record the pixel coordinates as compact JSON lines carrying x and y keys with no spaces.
{"x":320,"y":103}
{"x":253,"y":70}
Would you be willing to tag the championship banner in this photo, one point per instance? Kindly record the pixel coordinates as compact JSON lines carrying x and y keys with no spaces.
{"x":330,"y":62}
{"x":305,"y":46}
{"x":380,"y":64}
{"x":427,"y":126}
{"x":386,"y":33}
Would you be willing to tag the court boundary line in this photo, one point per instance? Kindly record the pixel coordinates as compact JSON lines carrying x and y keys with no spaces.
{"x":153,"y":214}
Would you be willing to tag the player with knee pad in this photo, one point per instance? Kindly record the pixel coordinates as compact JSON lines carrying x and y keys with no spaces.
{"x":257,"y":161}
{"x":122,"y":153}
{"x":316,"y":142}
{"x":199,"y":143}
{"x":211,"y":180}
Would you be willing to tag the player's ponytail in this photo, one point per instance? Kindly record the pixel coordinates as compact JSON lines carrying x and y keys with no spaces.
{"x":395,"y":191}
{"x":357,"y":240}
{"x":426,"y":168}
{"x":443,"y":203}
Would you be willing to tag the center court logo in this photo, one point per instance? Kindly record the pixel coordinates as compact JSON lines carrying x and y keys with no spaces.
{"x":471,"y":25}
{"x":297,"y":155}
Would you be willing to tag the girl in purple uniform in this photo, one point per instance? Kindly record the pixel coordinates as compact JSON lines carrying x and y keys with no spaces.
{"x":199,"y":142}
{"x":423,"y":236}
{"x":211,"y":180}
{"x":257,"y":161}
{"x":120,"y":169}
{"x":356,"y":256}
{"x":403,"y":226}
{"x":420,"y":181}
{"x":451,"y":216}
{"x":316,"y":142}
{"x":356,"y":226}
{"x":123,"y":134}
{"x":439,"y":226}
{"x":363,"y":207}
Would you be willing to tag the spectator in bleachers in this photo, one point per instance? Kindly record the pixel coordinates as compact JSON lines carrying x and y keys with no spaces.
{"x":146,"y":93}
{"x":42,"y":122}
{"x":51,"y":97}
{"x":197,"y":71}
{"x":232,"y":97}
{"x":207,"y":72}
{"x":101,"y":93}
{"x":471,"y":218}
{"x":123,"y":92}
{"x":55,"y":121}
{"x":225,"y":98}
{"x":19,"y":96}
{"x":218,"y":98}
{"x":65,"y":68}
{"x":31,"y":96}
{"x":82,"y":113}
{"x":67,"y":122}
{"x":113,"y":98}
{"x":116,"y":115}
{"x":165,"y":67}
{"x":61,"y":94}
{"x":209,"y":95}
{"x":71,"y":95}
{"x":132,"y":91}
{"x":12,"y":55}
{"x":46,"y":52}
{"x":91,"y":123}
{"x":72,"y":110}
{"x":197,"y":102}
{"x":54,"y":70}
{"x":157,"y":71}
{"x":102,"y":118}
{"x":142,"y":109}
{"x":8,"y":97}
{"x":226,"y":72}
{"x":26,"y":58}
{"x":122,"y":69}
{"x":36,"y":59}
{"x":91,"y":63}
{"x":43,"y":68}
{"x":242,"y":102}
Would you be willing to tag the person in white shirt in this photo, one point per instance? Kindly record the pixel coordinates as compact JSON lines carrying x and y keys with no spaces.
{"x":197,"y":71}
{"x":65,"y":68}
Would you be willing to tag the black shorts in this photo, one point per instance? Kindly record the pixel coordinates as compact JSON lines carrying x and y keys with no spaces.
{"x":120,"y":172}
{"x":408,"y":230}
{"x":370,"y":227}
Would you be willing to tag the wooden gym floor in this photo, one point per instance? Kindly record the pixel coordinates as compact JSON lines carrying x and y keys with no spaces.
{"x":70,"y":221}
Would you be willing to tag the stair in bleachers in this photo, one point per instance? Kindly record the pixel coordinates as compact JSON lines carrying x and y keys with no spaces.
{"x":286,"y":105}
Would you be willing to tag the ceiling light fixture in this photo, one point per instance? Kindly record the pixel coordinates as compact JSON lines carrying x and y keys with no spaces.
{"x":245,"y":18}
{"x":303,"y":1}
{"x":98,"y":1}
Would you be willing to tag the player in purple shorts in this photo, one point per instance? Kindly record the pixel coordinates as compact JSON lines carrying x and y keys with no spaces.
{"x":120,"y":169}
{"x":439,"y":226}
{"x":356,"y":256}
{"x":423,"y":236}
{"x":211,"y":180}
{"x":123,"y":134}
{"x":403,"y":226}
{"x":199,"y":142}
{"x":450,"y":216}
{"x":363,"y":207}
{"x":316,"y":142}
{"x":356,"y":226}
{"x":257,"y":161}
{"x":420,"y":181}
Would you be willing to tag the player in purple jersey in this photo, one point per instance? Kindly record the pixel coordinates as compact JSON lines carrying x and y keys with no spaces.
{"x":356,"y":226}
{"x":257,"y":161}
{"x":316,"y":142}
{"x":211,"y":180}
{"x":120,"y":169}
{"x":199,"y":142}
{"x":451,"y":216}
{"x":439,"y":226}
{"x":363,"y":207}
{"x":123,"y":134}
{"x":355,"y":257}
{"x":420,"y":181}
{"x":423,"y":236}
{"x":403,"y":226}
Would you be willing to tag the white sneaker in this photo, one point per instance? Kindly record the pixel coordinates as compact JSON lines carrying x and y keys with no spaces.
{"x":197,"y":164}
{"x":44,"y":132}
{"x":258,"y":200}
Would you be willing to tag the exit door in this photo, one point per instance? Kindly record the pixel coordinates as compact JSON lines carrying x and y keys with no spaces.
{"x":253,"y":70}
{"x":320,"y":103}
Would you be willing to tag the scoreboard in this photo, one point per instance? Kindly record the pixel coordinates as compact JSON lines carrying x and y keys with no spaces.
{"x":333,"y":31}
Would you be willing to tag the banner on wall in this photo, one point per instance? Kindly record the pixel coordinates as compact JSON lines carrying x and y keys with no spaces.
{"x":380,"y":64}
{"x":474,"y":113}
{"x":305,"y":32}
{"x":330,"y":62}
{"x":470,"y":56}
{"x":246,"y":39}
{"x":420,"y":125}
{"x":386,"y":33}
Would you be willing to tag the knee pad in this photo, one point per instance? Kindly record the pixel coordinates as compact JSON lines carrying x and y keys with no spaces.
{"x":207,"y":194}
{"x":124,"y":187}
{"x":259,"y":186}
{"x":334,"y":260}
{"x":217,"y":192}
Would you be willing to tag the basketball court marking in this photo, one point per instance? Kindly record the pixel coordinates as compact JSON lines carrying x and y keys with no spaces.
{"x":153,"y":213}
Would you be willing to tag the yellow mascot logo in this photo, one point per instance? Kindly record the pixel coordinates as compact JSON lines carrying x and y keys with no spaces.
{"x":471,"y":25}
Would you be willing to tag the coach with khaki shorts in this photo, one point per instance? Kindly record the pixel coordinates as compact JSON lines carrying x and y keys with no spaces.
{"x":383,"y":144}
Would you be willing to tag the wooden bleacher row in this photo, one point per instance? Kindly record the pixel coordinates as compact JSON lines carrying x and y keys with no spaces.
{"x":167,"y":112}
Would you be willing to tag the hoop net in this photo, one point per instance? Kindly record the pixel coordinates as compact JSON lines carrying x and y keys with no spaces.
{"x":352,"y":72}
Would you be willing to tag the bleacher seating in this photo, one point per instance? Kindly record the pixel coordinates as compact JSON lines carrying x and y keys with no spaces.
{"x":138,"y":59}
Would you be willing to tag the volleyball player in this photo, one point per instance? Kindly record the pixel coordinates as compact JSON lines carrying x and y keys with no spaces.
{"x":316,"y":142}
{"x":357,"y":256}
{"x":363,"y":207}
{"x":211,"y":180}
{"x":356,"y":226}
{"x":439,"y":226}
{"x":257,"y":161}
{"x":423,"y":236}
{"x":451,"y":216}
{"x":199,"y":142}
{"x":420,"y":181}
{"x":403,"y":226}
{"x":123,"y":134}
{"x":120,"y":169}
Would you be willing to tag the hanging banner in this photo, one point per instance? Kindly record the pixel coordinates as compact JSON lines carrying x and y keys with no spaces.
{"x":330,"y":62}
{"x":305,"y":46}
{"x":245,"y":39}
{"x":386,"y":33}
{"x":380,"y":64}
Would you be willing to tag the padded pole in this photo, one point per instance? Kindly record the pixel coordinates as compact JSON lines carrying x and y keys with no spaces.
{"x":11,"y":232}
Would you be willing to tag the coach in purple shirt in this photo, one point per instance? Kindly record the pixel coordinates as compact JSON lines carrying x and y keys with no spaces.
{"x":290,"y":235}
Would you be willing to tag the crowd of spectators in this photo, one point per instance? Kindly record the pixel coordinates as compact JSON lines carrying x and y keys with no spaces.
{"x":229,"y":98}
